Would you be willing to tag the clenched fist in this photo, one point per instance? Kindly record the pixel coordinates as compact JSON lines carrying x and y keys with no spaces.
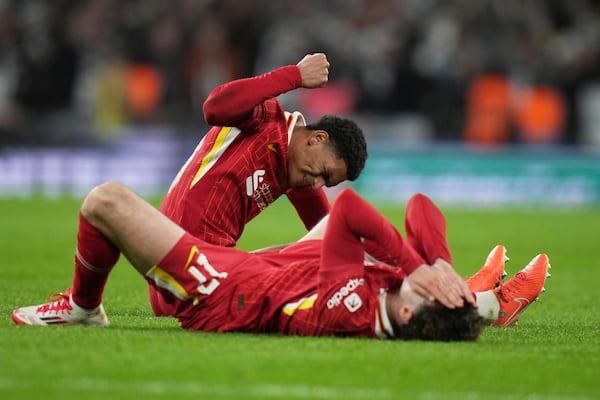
{"x":314,"y":70}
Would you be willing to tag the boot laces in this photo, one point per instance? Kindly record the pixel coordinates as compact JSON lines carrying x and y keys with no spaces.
{"x":515,"y":281}
{"x":59,"y":303}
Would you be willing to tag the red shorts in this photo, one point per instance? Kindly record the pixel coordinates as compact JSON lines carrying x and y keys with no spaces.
{"x":185,"y":274}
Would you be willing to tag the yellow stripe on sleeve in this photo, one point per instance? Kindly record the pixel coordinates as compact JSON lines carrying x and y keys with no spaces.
{"x":223,"y":140}
{"x":302,"y":304}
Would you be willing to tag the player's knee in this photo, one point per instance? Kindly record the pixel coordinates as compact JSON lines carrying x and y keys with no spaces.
{"x":101,"y":199}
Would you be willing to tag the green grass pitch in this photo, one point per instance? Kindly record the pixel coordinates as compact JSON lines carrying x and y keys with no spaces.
{"x":554,"y":352}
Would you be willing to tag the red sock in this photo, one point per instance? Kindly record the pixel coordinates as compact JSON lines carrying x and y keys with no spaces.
{"x":94,"y":259}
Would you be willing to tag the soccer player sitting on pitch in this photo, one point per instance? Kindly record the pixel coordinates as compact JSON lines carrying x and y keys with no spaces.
{"x":256,"y":152}
{"x":296,"y":291}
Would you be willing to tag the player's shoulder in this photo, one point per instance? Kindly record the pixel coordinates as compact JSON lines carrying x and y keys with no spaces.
{"x":266,"y":116}
{"x":272,"y":111}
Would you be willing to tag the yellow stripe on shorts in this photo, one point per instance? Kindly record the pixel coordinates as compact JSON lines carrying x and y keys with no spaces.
{"x":166,"y":281}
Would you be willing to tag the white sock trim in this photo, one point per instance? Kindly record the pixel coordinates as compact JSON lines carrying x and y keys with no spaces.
{"x":79,"y":309}
{"x":487,"y":306}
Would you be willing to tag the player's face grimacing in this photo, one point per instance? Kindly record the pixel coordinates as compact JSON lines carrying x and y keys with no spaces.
{"x":314,"y":164}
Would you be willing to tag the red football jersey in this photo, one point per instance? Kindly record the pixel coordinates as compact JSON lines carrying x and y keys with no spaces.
{"x":303,"y":298}
{"x":236,"y":171}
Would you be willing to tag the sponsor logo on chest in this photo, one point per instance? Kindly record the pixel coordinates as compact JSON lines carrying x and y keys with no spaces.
{"x":258,"y":189}
{"x":346,"y":295}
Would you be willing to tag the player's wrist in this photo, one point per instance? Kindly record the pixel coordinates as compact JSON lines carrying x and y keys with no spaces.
{"x":292,"y":74}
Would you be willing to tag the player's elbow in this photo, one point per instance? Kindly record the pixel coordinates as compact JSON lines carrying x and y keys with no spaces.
{"x":346,"y":195}
{"x":418,"y":200}
{"x":218,"y":107}
{"x":210,"y":108}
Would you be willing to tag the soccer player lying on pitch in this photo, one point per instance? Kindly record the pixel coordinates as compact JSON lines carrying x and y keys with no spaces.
{"x":297,"y":291}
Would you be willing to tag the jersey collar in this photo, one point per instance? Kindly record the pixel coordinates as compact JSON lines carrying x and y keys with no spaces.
{"x":383,"y":326}
{"x":293,"y":119}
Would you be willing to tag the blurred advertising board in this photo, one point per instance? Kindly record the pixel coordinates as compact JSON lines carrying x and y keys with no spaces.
{"x":554,"y":177}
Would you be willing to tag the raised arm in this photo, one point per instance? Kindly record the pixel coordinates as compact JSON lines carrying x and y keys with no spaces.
{"x":352,"y":219}
{"x":232,"y":103}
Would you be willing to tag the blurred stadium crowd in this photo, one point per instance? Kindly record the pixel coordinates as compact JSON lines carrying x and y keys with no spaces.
{"x":486,"y":71}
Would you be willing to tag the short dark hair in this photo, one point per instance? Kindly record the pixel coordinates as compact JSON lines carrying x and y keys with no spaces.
{"x":347,"y":140}
{"x":438,"y":323}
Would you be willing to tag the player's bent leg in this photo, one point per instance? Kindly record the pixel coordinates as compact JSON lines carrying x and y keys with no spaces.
{"x":142,"y":233}
{"x":60,"y":310}
{"x":520,"y":291}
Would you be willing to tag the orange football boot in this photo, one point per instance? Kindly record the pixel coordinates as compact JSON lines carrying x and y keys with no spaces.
{"x":491,"y":274}
{"x":517,"y":294}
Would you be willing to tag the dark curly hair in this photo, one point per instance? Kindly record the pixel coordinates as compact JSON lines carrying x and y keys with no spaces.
{"x":436,"y":322}
{"x":347,"y":140}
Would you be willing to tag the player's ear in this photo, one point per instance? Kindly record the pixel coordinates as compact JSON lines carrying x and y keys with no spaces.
{"x":318,"y":137}
{"x":405,"y":314}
